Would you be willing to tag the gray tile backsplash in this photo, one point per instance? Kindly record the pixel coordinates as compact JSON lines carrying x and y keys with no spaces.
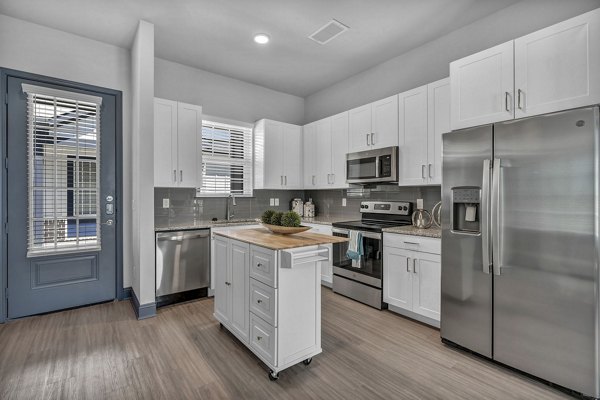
{"x":185,"y":207}
{"x":328,"y":203}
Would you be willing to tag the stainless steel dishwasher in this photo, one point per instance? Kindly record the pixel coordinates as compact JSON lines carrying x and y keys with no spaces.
{"x":182,"y":261}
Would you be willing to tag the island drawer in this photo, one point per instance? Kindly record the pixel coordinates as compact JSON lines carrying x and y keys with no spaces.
{"x":263,"y":338}
{"x":263,"y":301}
{"x":263,"y":265}
{"x":410,"y":242}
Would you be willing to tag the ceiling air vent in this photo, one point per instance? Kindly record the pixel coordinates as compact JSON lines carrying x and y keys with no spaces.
{"x":328,"y":32}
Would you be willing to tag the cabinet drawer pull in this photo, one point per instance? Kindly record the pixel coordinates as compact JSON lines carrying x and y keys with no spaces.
{"x":228,"y":283}
{"x":414,"y":243}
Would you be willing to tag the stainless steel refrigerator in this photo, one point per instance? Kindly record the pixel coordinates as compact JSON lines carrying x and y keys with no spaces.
{"x":520,"y":240}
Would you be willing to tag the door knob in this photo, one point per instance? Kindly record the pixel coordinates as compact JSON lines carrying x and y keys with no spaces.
{"x":108,"y":222}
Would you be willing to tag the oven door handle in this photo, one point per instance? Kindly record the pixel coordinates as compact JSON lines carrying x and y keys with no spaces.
{"x":341,"y":231}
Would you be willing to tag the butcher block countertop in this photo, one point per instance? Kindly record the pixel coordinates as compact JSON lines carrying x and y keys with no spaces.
{"x":264,"y":238}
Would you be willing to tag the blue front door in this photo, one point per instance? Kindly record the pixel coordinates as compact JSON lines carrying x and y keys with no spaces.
{"x":60,"y":197}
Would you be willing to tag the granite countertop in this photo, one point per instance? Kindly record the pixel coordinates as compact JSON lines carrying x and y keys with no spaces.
{"x":203,"y":224}
{"x":264,"y":238}
{"x":323,"y":220}
{"x":432,"y":232}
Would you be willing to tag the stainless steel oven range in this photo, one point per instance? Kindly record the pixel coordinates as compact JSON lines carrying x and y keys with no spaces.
{"x":362,"y":279}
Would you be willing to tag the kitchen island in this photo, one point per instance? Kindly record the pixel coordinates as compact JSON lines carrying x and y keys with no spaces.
{"x":268,"y":292}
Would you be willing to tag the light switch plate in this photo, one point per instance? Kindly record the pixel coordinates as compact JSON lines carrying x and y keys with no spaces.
{"x":165,"y":203}
{"x":271,"y":202}
{"x":343,"y":202}
{"x":276,"y":201}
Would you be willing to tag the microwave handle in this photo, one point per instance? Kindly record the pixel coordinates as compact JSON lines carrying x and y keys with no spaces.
{"x":377,"y":172}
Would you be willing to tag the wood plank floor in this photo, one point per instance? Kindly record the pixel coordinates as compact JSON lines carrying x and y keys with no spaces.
{"x":102,"y":352}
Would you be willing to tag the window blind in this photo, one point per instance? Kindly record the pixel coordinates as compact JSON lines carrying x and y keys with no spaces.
{"x":63,"y":135}
{"x":226,"y":160}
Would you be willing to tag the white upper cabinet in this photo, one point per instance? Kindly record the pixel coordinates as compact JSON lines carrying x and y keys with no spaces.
{"x":438,"y":113}
{"x":482,"y":87}
{"x":553,"y":69}
{"x":309,"y":163}
{"x":385,"y":123}
{"x":322,"y":150}
{"x":412,"y":126}
{"x":558,"y":67}
{"x":339,"y":149}
{"x":374,"y":125}
{"x":277,"y":155}
{"x":359,"y":138}
{"x":423,"y":115}
{"x":177,"y":144}
{"x":325,"y":148}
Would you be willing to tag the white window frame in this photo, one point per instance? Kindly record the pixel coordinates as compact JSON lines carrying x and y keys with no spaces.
{"x":248,"y":160}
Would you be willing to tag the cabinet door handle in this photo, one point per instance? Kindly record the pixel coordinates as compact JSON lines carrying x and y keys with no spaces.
{"x":285,"y":177}
{"x":423,"y":171}
{"x":259,"y":301}
{"x":180,"y":175}
{"x":414,"y":265}
{"x":281,"y":179}
{"x":228,"y":283}
{"x":259,"y":265}
{"x":407,"y":261}
{"x":332,"y":179}
{"x":174,"y":175}
{"x":313,"y":180}
{"x":259,"y":338}
{"x":519,"y":92}
{"x":368,"y":140}
{"x":372,"y":138}
{"x":506,"y":97}
{"x":430,"y":169}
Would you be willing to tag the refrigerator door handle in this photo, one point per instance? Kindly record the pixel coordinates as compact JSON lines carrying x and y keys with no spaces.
{"x":495,"y":226}
{"x":485,"y":217}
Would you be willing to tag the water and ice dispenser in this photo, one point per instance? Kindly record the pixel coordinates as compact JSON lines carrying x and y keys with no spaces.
{"x":466,"y":209}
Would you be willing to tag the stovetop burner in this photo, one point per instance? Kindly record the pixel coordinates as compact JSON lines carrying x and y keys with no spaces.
{"x":379,"y":215}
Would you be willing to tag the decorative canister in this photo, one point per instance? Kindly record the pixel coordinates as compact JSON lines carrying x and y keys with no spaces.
{"x":309,"y":209}
{"x":297,"y":205}
{"x":422,"y":219}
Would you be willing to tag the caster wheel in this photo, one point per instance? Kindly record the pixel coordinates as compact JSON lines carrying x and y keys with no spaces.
{"x":307,"y":361}
{"x":273,"y":376}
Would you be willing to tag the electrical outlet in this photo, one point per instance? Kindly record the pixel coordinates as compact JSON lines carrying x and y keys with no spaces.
{"x":271,"y":202}
{"x":276,"y":201}
{"x":343,"y":202}
{"x":165,"y":203}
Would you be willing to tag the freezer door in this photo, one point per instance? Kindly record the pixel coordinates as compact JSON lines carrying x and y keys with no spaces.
{"x":545,"y":296}
{"x":466,"y":314}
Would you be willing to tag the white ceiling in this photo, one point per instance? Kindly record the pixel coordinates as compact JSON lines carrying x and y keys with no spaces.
{"x":217,"y":35}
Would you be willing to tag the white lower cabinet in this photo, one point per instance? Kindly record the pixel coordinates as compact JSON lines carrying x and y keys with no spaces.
{"x":412,"y":278}
{"x":271,"y":306}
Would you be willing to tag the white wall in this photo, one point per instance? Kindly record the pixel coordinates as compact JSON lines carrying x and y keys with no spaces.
{"x":142,"y":79}
{"x":225,"y":97}
{"x":34,"y":48}
{"x":429,"y":62}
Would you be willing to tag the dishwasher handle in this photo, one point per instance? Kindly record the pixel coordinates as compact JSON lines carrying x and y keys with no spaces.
{"x":181,"y":236}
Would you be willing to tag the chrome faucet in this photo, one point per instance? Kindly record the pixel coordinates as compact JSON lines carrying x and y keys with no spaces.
{"x":228,"y":209}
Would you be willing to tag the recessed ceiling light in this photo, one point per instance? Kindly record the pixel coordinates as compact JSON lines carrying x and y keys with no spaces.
{"x":262,"y":38}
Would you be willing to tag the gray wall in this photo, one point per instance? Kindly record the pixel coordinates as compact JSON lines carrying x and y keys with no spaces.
{"x":430,"y":62}
{"x":225,"y":97}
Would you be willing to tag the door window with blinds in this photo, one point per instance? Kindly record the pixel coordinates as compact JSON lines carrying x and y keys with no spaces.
{"x":63,"y":131}
{"x":226,"y":160}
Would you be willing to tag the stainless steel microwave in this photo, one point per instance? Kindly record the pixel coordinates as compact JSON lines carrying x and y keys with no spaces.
{"x":372,"y":166}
